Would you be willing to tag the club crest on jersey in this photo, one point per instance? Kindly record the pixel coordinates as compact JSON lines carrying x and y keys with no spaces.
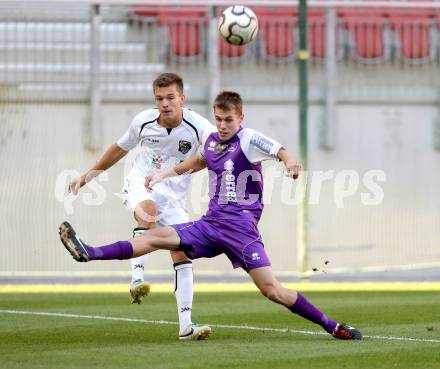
{"x":219,"y":148}
{"x":184,"y":146}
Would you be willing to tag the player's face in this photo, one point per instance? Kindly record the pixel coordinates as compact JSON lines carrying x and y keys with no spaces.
{"x":170,"y":101}
{"x":228,"y":122}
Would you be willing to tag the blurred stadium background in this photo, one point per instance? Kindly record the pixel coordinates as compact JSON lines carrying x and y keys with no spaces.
{"x":73,"y":74}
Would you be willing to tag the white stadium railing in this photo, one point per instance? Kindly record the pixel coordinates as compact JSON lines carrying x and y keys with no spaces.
{"x":37,"y":48}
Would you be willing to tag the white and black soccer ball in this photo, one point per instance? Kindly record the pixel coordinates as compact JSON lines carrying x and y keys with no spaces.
{"x":238,"y":25}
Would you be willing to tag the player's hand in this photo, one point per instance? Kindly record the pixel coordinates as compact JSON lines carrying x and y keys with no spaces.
{"x":75,"y":184}
{"x":293,"y":169}
{"x":150,"y":181}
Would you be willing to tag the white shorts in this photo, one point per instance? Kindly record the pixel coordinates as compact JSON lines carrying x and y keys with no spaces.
{"x":170,"y":211}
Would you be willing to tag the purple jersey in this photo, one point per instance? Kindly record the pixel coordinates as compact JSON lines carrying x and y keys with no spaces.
{"x":235,"y":178}
{"x":236,"y":190}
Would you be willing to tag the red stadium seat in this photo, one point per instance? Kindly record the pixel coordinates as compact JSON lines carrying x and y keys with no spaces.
{"x":231,"y":52}
{"x":317,"y":42}
{"x":413,"y":35}
{"x":185,"y":27}
{"x":317,"y":35}
{"x":367,"y":36}
{"x":186,"y":32}
{"x":277,"y":32}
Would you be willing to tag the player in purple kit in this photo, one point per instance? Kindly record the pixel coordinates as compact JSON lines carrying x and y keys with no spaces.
{"x":233,"y":157}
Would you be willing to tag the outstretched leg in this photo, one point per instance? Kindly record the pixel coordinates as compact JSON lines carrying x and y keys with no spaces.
{"x":270,"y":287}
{"x":161,"y":238}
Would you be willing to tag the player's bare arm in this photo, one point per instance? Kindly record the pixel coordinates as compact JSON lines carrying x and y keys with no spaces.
{"x":113,"y":154}
{"x":188,"y":166}
{"x":291,"y":163}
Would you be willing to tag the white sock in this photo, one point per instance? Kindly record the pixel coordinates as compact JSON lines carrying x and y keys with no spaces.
{"x":137,"y":268}
{"x":138,"y":264}
{"x":184,"y":292}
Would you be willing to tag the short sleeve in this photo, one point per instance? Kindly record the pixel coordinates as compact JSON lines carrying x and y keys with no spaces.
{"x":130,"y":138}
{"x":208,"y":130}
{"x":258,"y":147}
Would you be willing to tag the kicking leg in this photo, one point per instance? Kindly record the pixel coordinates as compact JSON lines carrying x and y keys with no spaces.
{"x":269,"y":286}
{"x":165,"y":238}
{"x":160,"y":238}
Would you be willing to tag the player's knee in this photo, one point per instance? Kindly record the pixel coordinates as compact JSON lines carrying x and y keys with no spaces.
{"x":271,"y":291}
{"x":146,"y":214}
{"x":178,"y":256}
{"x":145,"y":221}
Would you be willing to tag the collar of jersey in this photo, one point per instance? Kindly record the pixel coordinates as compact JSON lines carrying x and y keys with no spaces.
{"x":181,"y":121}
{"x":227,"y":141}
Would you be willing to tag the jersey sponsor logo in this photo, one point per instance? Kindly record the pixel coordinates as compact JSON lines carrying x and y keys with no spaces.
{"x":152,"y":140}
{"x":231,"y":192}
{"x":156,"y":161}
{"x":262,"y":143}
{"x":184,"y":146}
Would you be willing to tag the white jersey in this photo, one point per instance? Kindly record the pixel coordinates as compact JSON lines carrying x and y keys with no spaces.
{"x":161,"y":148}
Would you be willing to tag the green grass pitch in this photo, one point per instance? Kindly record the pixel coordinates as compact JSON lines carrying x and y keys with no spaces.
{"x":31,"y":341}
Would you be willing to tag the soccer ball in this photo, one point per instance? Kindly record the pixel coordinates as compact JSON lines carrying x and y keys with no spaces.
{"x":238,"y":25}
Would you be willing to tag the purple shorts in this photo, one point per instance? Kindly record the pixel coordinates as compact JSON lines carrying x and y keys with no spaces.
{"x":239,"y":240}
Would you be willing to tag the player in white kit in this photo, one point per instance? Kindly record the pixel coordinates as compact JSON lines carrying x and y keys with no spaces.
{"x":165,"y":136}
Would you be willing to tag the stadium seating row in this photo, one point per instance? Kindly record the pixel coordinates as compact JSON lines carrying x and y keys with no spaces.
{"x":367,"y":37}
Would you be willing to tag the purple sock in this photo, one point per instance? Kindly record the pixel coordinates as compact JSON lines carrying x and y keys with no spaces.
{"x":305,"y":309}
{"x":117,"y":250}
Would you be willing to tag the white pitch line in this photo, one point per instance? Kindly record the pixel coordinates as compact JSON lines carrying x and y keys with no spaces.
{"x":97,"y":317}
{"x":244,"y":327}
